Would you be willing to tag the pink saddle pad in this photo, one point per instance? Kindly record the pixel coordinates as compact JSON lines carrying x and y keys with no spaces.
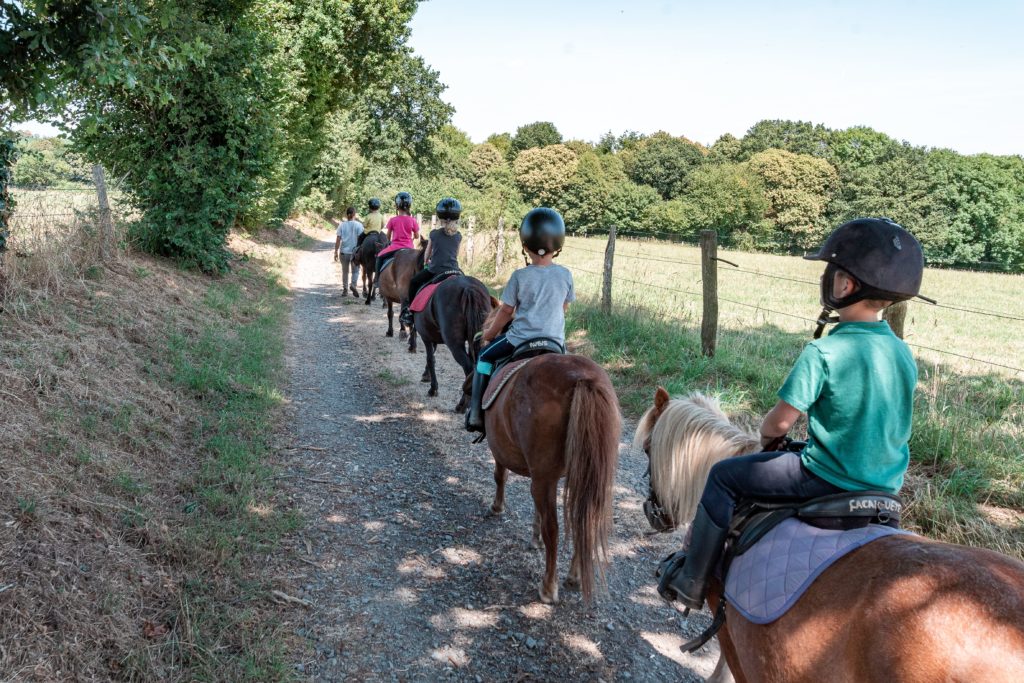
{"x":423,"y":296}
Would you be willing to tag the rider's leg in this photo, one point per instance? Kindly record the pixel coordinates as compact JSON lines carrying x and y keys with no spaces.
{"x":415,"y":285}
{"x":773,"y":475}
{"x":495,"y":351}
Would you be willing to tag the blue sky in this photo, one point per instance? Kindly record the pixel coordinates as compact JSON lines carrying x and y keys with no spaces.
{"x":942,"y":74}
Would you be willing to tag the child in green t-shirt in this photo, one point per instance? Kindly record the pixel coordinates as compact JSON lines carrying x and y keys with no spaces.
{"x":856,"y":386}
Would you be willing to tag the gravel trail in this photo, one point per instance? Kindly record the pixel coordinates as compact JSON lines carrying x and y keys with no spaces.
{"x":406,"y":576}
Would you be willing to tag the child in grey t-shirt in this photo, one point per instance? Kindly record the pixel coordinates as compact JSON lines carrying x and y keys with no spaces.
{"x":534,"y":301}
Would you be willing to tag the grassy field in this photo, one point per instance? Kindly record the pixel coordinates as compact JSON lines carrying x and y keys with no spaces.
{"x":967,"y":480}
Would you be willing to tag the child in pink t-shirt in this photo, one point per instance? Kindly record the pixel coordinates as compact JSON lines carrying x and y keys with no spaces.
{"x":402,"y":229}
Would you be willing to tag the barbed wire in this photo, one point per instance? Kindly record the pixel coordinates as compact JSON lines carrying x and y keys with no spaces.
{"x":736,"y":269}
{"x":43,"y":188}
{"x":798,"y":317}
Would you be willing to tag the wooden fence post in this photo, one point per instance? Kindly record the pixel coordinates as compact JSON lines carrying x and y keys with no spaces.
{"x":469,"y":240}
{"x":709,"y":278}
{"x":896,"y":316}
{"x":106,"y":219}
{"x":499,"y":250}
{"x":609,"y":262}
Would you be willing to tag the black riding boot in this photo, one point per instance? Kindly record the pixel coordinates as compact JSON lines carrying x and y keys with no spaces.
{"x":686,"y":579}
{"x":475,"y":414}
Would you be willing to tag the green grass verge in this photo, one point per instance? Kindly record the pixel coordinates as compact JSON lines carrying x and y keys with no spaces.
{"x":232,"y":368}
{"x":967,"y":428}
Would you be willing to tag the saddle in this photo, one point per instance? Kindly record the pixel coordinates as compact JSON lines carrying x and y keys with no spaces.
{"x":775,"y":549}
{"x":508,"y":367}
{"x":422,"y":299}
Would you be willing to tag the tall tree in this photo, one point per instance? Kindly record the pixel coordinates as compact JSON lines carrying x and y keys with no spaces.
{"x":543,"y":174}
{"x":798,"y":187}
{"x":537,"y":134}
{"x":798,"y":137}
{"x":663,"y":162}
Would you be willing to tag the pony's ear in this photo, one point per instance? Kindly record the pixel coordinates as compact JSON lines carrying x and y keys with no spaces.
{"x":495,"y":303}
{"x":661,"y":399}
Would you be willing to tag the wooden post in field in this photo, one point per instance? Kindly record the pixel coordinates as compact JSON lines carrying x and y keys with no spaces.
{"x":609,"y":262}
{"x":709,"y":277}
{"x":469,"y":240}
{"x":106,"y":219}
{"x":896,"y":315}
{"x":499,"y":251}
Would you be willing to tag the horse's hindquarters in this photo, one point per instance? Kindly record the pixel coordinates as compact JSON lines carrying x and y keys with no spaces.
{"x":898,"y":609}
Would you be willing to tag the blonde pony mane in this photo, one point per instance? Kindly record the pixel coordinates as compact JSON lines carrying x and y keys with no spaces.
{"x":689,"y":436}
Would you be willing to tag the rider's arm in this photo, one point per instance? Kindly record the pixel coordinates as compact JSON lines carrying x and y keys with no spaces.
{"x":778,"y":422}
{"x":426,"y":254}
{"x":502,"y":318}
{"x":337,"y":243}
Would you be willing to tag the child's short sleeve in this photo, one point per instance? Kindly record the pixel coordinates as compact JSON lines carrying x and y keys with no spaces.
{"x":570,"y":295}
{"x":510,"y":295}
{"x":806,"y":380}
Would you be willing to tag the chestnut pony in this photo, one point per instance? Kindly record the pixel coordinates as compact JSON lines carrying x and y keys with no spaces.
{"x":393,"y":285}
{"x":558,"y":416}
{"x":902,"y":608}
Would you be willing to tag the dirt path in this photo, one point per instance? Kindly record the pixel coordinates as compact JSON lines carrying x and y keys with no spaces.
{"x":407,"y":578}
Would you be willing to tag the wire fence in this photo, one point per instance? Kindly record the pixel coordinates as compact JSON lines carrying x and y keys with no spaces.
{"x":609,"y":278}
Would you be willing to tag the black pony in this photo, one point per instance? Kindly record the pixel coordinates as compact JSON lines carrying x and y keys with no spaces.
{"x":454,"y":316}
{"x":366,"y":256}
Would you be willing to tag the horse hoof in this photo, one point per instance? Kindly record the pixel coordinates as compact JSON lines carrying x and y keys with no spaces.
{"x":425,"y":378}
{"x":432,"y":392}
{"x":571,"y":583}
{"x":549,"y":598}
{"x":389,"y":333}
{"x":412,"y":349}
{"x":494,"y":512}
{"x":535,"y":544}
{"x":403,"y":335}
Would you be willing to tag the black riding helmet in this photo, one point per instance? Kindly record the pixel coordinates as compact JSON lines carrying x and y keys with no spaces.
{"x":448,"y":209}
{"x":885,"y":259}
{"x":403,"y":200}
{"x":374,"y":204}
{"x":542,"y":231}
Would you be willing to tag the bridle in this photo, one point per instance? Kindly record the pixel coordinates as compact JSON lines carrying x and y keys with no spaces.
{"x":658,"y":517}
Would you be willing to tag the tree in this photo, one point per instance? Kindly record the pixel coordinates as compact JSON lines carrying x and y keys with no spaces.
{"x":631,"y":206}
{"x":501,"y":142}
{"x":663,"y":162}
{"x":584,"y":201}
{"x":482,"y":160}
{"x":728,"y":198}
{"x":726,"y":149}
{"x":537,"y":134}
{"x":798,"y":187}
{"x":798,"y":137}
{"x":544,"y":173}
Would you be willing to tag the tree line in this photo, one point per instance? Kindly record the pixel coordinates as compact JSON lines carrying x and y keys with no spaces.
{"x":781,"y":187}
{"x":238,"y":112}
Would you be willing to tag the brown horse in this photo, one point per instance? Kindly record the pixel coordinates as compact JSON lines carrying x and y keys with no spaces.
{"x":454,"y":316}
{"x":559,"y":416}
{"x":393,"y":285}
{"x":902,"y":608}
{"x":366,"y":256}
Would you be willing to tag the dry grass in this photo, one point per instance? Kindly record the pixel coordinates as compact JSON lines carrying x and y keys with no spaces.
{"x":101,"y":449}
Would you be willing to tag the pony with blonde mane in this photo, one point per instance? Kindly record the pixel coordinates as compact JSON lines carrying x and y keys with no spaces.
{"x":902,"y":608}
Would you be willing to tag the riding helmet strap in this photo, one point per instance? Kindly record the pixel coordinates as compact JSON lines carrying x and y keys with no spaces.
{"x":824,"y":318}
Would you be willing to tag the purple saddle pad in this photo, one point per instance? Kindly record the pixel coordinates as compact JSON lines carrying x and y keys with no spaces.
{"x":764,"y":582}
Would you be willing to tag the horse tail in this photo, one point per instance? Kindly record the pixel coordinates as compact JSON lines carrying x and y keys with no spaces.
{"x":592,"y":454}
{"x":475,"y":306}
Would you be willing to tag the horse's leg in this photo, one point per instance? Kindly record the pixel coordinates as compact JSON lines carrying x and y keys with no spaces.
{"x":391,"y":320}
{"x":369,"y":292}
{"x":431,"y":349}
{"x":412,"y":338}
{"x":535,"y":542}
{"x":425,"y":377}
{"x":721,"y":674}
{"x":466,"y":363}
{"x":500,"y":475}
{"x":572,"y":581}
{"x":545,"y":495}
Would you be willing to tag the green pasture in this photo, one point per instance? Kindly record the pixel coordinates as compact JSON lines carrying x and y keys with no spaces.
{"x":967,"y":481}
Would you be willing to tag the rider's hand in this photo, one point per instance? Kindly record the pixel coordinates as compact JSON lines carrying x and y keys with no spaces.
{"x":335,"y":256}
